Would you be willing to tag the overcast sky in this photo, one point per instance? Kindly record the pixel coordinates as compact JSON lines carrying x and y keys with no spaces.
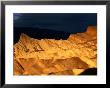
{"x":67,"y":22}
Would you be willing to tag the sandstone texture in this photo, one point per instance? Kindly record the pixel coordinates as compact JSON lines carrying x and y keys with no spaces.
{"x":56,"y":57}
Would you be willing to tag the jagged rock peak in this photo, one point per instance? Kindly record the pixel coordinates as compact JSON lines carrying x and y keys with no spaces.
{"x":92,"y":30}
{"x":50,"y":56}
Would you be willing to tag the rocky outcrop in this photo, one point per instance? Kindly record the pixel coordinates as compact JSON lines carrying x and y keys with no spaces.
{"x":56,"y":57}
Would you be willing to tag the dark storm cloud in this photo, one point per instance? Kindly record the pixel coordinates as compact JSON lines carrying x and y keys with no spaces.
{"x":57,"y":21}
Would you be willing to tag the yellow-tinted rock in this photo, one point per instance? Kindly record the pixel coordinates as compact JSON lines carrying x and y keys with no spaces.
{"x":38,"y":57}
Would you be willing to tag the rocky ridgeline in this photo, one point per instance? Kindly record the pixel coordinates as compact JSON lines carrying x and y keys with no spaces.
{"x":56,"y":57}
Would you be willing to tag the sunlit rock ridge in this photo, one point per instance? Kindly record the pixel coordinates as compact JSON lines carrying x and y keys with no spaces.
{"x":56,"y":57}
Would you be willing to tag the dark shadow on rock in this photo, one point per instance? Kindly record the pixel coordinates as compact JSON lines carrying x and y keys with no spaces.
{"x":90,"y":71}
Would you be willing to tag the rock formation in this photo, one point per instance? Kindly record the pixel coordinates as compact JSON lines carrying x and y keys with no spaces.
{"x":56,"y":57}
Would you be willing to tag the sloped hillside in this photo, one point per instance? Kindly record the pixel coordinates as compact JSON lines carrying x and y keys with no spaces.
{"x":56,"y":57}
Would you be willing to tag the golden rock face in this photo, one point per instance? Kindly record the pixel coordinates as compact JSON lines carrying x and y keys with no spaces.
{"x":56,"y":57}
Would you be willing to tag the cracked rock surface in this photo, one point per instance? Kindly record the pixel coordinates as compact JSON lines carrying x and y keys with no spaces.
{"x":56,"y":57}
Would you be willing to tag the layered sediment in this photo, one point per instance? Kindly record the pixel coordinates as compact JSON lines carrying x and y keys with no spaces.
{"x":56,"y":57}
